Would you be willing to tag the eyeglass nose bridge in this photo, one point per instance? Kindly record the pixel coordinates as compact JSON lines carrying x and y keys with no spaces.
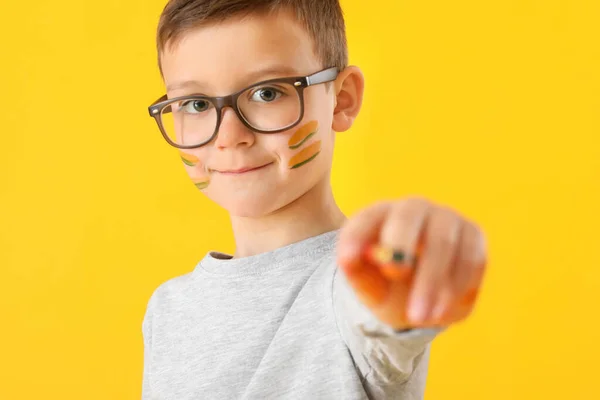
{"x":221,"y":103}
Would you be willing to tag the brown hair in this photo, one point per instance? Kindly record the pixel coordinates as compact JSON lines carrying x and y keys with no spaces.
{"x":323,"y":20}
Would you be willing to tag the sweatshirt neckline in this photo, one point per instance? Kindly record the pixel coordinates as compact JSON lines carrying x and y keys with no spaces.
{"x":218,"y":263}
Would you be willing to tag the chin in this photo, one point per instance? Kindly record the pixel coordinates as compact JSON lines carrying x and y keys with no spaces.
{"x":252,"y":205}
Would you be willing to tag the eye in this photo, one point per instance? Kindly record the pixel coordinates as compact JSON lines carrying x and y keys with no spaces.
{"x":266,"y":94}
{"x":195,"y":106}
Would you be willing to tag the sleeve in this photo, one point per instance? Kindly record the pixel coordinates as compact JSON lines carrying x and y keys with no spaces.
{"x":147,"y":341}
{"x":383,"y":356}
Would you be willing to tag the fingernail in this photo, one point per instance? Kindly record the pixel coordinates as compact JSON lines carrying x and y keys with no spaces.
{"x":417,"y":312}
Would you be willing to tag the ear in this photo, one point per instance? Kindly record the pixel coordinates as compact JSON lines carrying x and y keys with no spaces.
{"x":349,"y":89}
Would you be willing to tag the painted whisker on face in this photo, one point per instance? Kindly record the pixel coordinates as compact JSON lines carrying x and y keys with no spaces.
{"x":305,"y":156}
{"x":303,"y":134}
{"x":201,"y":183}
{"x":198,"y":173}
{"x":189,"y":159}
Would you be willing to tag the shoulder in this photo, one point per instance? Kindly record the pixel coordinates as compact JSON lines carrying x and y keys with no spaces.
{"x":165,"y":296}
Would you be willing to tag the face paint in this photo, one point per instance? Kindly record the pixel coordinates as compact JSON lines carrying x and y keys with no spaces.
{"x":306,"y":155}
{"x":201,"y":183}
{"x":303,"y":134}
{"x":189,"y":159}
{"x":198,"y":174}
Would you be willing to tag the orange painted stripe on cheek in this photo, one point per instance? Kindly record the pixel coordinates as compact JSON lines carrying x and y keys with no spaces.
{"x":189,"y":159}
{"x":307,"y":154}
{"x":303,"y":134}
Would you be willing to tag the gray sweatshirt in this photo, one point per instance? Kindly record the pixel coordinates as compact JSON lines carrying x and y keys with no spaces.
{"x":279,"y":325}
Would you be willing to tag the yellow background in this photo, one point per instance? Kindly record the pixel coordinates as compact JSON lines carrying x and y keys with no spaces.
{"x":491,"y":107}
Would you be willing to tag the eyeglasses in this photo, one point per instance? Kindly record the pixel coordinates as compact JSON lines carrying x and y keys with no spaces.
{"x":270,"y":106}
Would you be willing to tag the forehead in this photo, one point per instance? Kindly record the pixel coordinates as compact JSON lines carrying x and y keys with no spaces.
{"x":227,"y":56}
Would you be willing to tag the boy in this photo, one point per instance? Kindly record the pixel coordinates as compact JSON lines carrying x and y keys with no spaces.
{"x":312,"y":305}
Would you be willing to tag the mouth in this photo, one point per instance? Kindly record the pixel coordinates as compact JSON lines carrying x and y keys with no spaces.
{"x":242,"y":170}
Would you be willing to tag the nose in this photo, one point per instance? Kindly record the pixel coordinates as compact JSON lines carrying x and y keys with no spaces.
{"x":232,"y":132}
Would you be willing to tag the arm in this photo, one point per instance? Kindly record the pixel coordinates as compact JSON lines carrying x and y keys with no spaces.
{"x":428,"y":276}
{"x":146,"y":395}
{"x":383,"y":356}
{"x":147,"y":340}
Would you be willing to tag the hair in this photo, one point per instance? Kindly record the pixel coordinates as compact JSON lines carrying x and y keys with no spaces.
{"x":322,"y":19}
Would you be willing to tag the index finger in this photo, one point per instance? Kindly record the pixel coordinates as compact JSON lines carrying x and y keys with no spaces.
{"x":359,"y":231}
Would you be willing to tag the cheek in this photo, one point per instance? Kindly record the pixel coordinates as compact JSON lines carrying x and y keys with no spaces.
{"x":304,"y":145}
{"x":196,"y":169}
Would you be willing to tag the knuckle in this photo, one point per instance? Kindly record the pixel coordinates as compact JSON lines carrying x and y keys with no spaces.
{"x":416,"y":203}
{"x":443,"y":243}
{"x":392,"y":230}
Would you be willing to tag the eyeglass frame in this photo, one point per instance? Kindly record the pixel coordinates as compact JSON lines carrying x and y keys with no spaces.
{"x":299,"y":83}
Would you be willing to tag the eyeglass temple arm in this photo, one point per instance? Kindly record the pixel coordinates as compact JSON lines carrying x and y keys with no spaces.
{"x":163,"y":98}
{"x":323,"y":76}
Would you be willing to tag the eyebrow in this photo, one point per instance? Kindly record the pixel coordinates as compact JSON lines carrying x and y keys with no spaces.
{"x":251,"y":78}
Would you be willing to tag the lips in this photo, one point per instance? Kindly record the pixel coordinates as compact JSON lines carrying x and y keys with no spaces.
{"x":241,"y":170}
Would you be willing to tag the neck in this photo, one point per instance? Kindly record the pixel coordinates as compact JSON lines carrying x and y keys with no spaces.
{"x":310,"y":215}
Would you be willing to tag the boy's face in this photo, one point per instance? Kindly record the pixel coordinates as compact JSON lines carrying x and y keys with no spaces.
{"x":225,"y":58}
